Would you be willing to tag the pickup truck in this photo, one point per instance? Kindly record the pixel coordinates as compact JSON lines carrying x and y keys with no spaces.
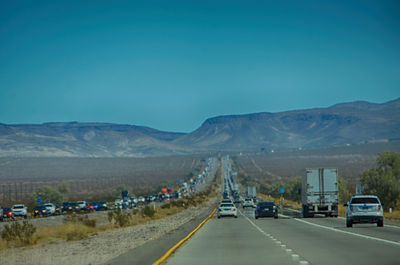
{"x":20,"y":210}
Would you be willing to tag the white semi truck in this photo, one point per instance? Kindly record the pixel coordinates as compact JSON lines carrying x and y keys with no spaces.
{"x":320,"y":192}
{"x":251,"y":192}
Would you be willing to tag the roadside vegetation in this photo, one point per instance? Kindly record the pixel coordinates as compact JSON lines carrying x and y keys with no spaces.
{"x":81,"y":226}
{"x":382,"y":180}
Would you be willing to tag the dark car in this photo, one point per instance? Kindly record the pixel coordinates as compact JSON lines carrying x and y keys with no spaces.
{"x":237,"y":199}
{"x":8,"y":213}
{"x":95,"y":206}
{"x":102,"y":205}
{"x":40,"y":211}
{"x":70,"y":207}
{"x":266,"y":209}
{"x":58,"y":209}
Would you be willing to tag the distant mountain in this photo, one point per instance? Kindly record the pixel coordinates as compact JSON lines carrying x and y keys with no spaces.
{"x":346,"y":123}
{"x":340,"y":124}
{"x":85,"y":140}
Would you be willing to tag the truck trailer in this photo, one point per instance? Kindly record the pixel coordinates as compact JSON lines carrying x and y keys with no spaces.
{"x":251,"y":192}
{"x":320,"y":192}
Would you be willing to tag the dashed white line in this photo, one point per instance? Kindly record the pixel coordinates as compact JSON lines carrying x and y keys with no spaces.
{"x":295,"y":257}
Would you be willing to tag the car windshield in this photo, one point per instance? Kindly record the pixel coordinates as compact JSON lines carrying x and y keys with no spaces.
{"x":364,"y":200}
{"x":227,"y":205}
{"x":18,"y":207}
{"x":265,"y":204}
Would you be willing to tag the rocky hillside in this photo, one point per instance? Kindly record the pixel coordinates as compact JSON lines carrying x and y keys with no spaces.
{"x":341,"y":124}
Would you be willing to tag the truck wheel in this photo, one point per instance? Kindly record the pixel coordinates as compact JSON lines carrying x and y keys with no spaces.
{"x":306,"y":214}
{"x":380,"y":223}
{"x":349,"y":223}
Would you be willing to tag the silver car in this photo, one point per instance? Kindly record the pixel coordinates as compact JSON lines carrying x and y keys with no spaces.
{"x":364,"y":209}
{"x":248,"y":202}
{"x":51,"y":208}
{"x":227,"y":209}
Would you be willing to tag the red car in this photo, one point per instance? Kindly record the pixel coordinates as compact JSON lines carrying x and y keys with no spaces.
{"x":8,"y":213}
{"x":89,"y":207}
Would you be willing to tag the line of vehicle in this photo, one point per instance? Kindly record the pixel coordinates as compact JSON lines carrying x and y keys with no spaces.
{"x":350,"y":233}
{"x":174,"y":248}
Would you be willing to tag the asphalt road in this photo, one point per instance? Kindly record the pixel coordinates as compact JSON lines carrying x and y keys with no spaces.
{"x":273,"y":241}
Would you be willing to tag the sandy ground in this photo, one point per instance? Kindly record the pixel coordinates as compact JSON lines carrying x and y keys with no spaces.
{"x":103,"y":247}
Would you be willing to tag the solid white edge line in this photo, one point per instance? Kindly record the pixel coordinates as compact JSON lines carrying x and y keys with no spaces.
{"x":350,"y":233}
{"x":339,"y":217}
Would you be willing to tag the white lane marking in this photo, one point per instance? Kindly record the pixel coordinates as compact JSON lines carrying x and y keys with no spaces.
{"x":339,"y":217}
{"x":350,"y":233}
{"x":393,"y":226}
{"x":282,"y":215}
{"x":290,"y":252}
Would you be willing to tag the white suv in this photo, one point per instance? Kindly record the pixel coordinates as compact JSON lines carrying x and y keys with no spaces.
{"x":82,"y":205}
{"x":51,"y":208}
{"x":364,"y":209}
{"x":20,"y":210}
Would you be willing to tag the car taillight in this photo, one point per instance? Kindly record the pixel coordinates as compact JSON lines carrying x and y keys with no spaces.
{"x":351,"y":208}
{"x":219,"y":210}
{"x":379,"y":207}
{"x":234,"y":209}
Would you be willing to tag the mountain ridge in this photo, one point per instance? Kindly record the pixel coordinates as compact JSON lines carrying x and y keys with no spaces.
{"x":339,"y":124}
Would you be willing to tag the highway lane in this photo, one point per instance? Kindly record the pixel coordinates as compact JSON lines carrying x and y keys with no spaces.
{"x":248,"y":241}
{"x":229,"y":241}
{"x":388,"y":232}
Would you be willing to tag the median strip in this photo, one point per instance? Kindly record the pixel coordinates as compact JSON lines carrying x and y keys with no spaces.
{"x":174,"y":248}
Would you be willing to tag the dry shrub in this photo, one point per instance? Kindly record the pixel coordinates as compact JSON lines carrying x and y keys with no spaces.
{"x":79,"y":219}
{"x":68,"y":231}
{"x":119,"y":218}
{"x":18,"y":234}
{"x":148,"y":211}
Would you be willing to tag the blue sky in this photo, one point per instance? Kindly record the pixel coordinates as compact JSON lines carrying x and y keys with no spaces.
{"x":172,"y":64}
